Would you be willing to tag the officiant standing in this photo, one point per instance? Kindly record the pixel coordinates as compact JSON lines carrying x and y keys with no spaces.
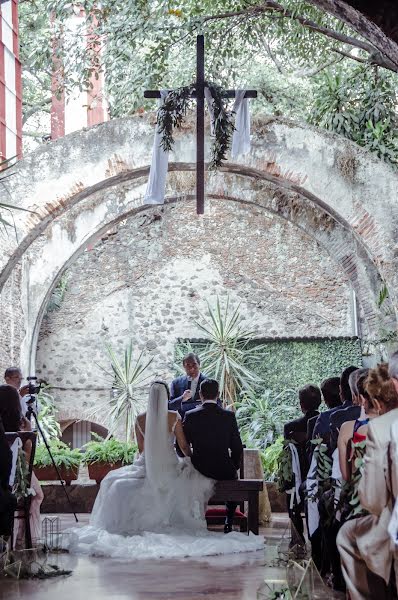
{"x":184,"y":390}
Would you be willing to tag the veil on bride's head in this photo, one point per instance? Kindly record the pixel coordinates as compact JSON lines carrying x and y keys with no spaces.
{"x":159,"y":454}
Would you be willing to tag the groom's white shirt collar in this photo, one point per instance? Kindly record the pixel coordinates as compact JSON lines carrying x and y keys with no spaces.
{"x":209,"y":402}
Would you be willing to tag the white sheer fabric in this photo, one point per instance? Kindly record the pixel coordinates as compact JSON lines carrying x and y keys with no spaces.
{"x":154,"y":507}
{"x":241,"y":135}
{"x":155,"y":190}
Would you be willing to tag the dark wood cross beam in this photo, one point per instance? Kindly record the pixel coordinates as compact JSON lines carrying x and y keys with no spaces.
{"x":199,"y":94}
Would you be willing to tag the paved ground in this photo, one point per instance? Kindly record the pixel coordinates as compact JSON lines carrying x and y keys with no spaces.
{"x":237,"y":577}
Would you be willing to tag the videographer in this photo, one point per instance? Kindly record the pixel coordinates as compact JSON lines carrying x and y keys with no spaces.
{"x":13,"y":420}
{"x":13,"y":376}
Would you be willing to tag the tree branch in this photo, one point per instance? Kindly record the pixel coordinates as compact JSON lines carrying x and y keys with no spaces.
{"x":40,"y":106}
{"x":272,"y":6}
{"x":36,"y":134}
{"x":316,"y":70}
{"x":348,"y":55}
{"x":363,"y":25}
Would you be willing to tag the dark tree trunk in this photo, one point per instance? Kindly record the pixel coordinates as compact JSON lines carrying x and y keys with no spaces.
{"x":376,"y":21}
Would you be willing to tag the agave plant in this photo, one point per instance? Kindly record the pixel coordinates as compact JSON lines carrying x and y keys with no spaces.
{"x":46,"y":414}
{"x":126,"y":376}
{"x":261,"y":417}
{"x":230,"y":354}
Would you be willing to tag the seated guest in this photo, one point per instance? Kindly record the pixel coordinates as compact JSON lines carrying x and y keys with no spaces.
{"x":7,"y":500}
{"x":348,"y":411}
{"x":363,"y":543}
{"x":310,"y":399}
{"x":355,"y":431}
{"x":184,"y":390}
{"x":11,"y":416}
{"x":319,"y":426}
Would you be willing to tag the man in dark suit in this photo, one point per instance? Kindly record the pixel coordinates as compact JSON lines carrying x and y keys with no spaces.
{"x":310,"y":399}
{"x":214,"y":436}
{"x":350,"y":409}
{"x":7,"y":500}
{"x":319,"y":426}
{"x":184,"y":390}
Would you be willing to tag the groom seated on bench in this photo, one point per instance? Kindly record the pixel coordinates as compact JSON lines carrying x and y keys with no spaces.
{"x":214,"y":437}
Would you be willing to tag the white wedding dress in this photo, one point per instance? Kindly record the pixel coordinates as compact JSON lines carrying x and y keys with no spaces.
{"x":154,"y":508}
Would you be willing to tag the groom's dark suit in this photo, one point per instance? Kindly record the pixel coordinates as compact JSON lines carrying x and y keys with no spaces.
{"x":217,"y":448}
{"x":215,"y":439}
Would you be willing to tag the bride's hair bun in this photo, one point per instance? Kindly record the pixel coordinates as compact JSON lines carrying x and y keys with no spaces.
{"x":380,"y":386}
{"x":164,"y":383}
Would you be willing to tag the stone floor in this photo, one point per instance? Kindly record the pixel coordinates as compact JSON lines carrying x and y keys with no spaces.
{"x":235,"y":577}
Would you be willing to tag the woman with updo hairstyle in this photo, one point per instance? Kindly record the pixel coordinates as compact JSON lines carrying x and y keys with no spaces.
{"x":381,"y":389}
{"x":13,"y":420}
{"x":364,"y":543}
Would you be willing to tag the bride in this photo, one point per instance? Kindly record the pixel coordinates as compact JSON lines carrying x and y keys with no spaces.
{"x":154,"y":508}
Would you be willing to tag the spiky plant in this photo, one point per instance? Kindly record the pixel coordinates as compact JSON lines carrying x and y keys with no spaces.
{"x":46,"y":414}
{"x":229,"y":354}
{"x":126,"y":375}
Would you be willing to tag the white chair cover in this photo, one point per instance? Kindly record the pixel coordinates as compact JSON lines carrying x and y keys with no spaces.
{"x":17,"y":444}
{"x":295,"y":491}
{"x":312,"y":505}
{"x":336,"y":474}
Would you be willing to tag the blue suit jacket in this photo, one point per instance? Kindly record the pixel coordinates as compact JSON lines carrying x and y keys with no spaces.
{"x":177,"y":388}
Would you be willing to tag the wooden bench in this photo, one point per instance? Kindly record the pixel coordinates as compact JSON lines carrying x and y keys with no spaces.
{"x":241,"y":490}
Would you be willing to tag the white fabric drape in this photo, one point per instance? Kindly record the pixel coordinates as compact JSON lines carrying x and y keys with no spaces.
{"x":241,"y":135}
{"x":210,"y":108}
{"x":14,"y":449}
{"x":158,"y":172}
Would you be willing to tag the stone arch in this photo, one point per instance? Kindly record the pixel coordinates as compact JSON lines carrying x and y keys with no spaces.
{"x":112,"y":186}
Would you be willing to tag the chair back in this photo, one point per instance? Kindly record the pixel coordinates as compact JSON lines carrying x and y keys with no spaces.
{"x":25,"y":437}
{"x":28,"y":440}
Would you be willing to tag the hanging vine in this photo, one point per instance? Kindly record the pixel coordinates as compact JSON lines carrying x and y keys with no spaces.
{"x":174,"y":109}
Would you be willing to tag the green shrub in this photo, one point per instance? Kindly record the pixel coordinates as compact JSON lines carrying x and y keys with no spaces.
{"x":270,"y":458}
{"x":62,"y":454}
{"x":109,"y":451}
{"x":261,"y":417}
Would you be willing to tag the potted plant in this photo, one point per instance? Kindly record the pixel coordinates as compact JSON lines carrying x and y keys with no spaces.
{"x":66,"y":460}
{"x":104,"y":455}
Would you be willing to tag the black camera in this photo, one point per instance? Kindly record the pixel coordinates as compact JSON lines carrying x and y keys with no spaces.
{"x":34,"y":385}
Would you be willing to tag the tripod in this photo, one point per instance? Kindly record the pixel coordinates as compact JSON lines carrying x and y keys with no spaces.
{"x":29,"y":415}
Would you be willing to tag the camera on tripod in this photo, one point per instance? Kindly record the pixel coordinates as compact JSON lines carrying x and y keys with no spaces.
{"x":34,"y":385}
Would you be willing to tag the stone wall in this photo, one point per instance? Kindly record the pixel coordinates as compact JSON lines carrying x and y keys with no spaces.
{"x":146,"y":279}
{"x":84,"y":184}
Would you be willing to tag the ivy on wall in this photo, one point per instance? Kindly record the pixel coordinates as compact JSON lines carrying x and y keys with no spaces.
{"x":289,"y":364}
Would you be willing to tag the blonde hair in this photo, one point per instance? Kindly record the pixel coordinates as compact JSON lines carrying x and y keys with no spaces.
{"x":380,"y":387}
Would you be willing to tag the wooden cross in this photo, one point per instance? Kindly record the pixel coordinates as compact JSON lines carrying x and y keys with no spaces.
{"x":199,"y":94}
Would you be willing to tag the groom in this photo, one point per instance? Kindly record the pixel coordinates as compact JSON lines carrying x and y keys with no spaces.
{"x":214,"y":436}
